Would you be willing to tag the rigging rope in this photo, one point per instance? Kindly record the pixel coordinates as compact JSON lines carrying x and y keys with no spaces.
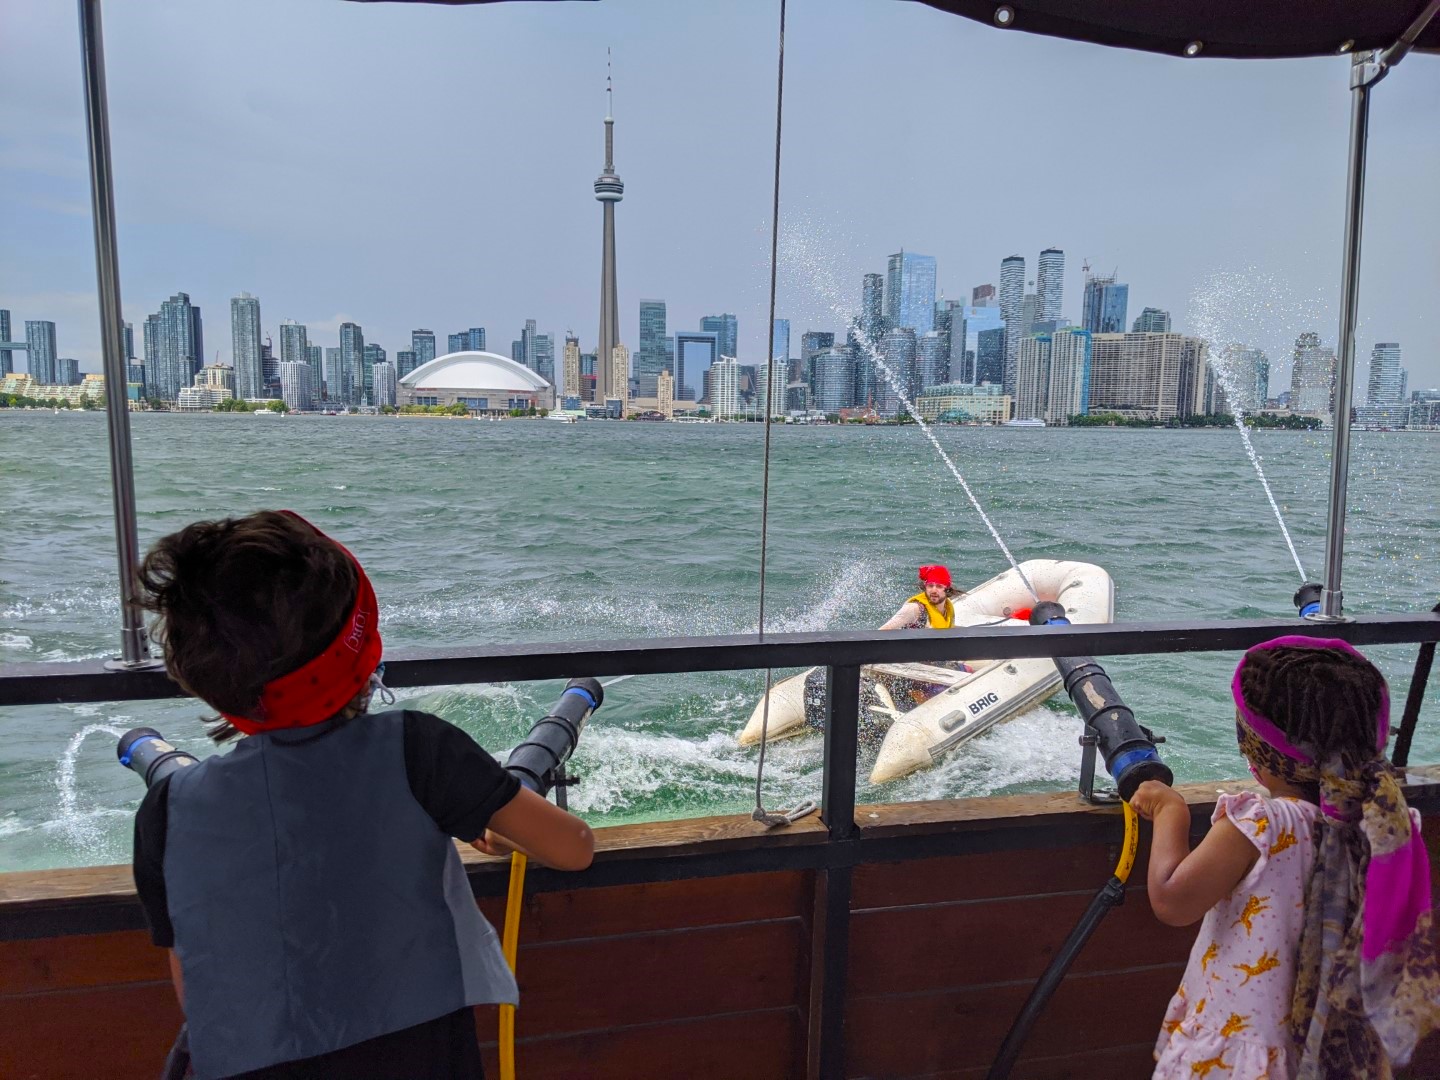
{"x":760,"y":813}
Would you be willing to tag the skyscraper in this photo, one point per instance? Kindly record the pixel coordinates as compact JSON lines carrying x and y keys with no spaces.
{"x":984,"y":295}
{"x":1152,"y":321}
{"x":1069,"y":389}
{"x":932,"y":360}
{"x":385,"y":382}
{"x":898,"y":351}
{"x":1105,"y":304}
{"x":315,"y":357}
{"x":374,"y":354}
{"x":1386,"y":376}
{"x":6,"y":365}
{"x":872,"y":309}
{"x":334,"y":378}
{"x":780,"y":341}
{"x":1244,"y":377}
{"x":40,"y":350}
{"x":834,"y":380}
{"x":404,"y":363}
{"x":990,"y":356}
{"x":477,"y":338}
{"x":726,"y":330}
{"x":422,"y":344}
{"x":151,"y":342}
{"x":1050,"y":283}
{"x":725,"y":387}
{"x":459,"y":342}
{"x":1012,"y":301}
{"x":67,"y":371}
{"x":127,"y":335}
{"x":177,"y":341}
{"x":1312,"y":376}
{"x":1151,"y":376}
{"x":352,"y":360}
{"x":1032,"y":377}
{"x":297,"y":385}
{"x":609,"y":191}
{"x":545,"y":357}
{"x":695,"y":351}
{"x":910,"y":291}
{"x":245,"y":347}
{"x":650,"y":358}
{"x":620,"y":379}
{"x":294,"y":343}
{"x":570,"y":368}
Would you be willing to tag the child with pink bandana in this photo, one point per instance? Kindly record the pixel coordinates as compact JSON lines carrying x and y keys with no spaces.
{"x":1313,"y":958}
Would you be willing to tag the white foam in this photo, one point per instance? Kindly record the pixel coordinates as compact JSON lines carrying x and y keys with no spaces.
{"x":15,"y":641}
{"x":81,"y":825}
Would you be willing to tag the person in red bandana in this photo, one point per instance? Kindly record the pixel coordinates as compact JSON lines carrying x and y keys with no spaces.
{"x":931,"y":606}
{"x":319,"y":921}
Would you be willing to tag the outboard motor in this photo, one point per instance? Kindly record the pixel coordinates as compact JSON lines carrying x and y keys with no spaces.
{"x":1128,"y":749}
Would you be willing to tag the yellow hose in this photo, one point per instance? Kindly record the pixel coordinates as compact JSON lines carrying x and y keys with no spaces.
{"x":510,"y":943}
{"x":1127,"y":850}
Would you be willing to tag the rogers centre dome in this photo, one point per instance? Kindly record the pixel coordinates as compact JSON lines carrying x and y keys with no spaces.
{"x":481,"y":381}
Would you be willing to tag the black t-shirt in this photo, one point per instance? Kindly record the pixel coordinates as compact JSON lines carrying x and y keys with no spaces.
{"x":461,"y":787}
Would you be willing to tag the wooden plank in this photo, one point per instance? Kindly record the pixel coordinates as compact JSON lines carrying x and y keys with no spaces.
{"x":120,"y":1033}
{"x":757,"y":1045}
{"x":983,"y":876}
{"x":912,"y":950}
{"x":67,"y":963}
{"x":913,"y":1035}
{"x":648,"y":978}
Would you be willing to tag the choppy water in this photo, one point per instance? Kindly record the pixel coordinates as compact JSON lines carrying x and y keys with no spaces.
{"x":479,"y":533}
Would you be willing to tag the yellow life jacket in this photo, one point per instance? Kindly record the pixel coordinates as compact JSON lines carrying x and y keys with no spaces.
{"x":941,"y":618}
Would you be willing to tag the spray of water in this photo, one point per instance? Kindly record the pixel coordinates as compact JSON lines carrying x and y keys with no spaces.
{"x":81,"y":827}
{"x":1249,"y":298}
{"x":799,"y":254}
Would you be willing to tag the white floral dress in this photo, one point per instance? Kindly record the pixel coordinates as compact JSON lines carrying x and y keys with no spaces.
{"x":1230,"y":1018}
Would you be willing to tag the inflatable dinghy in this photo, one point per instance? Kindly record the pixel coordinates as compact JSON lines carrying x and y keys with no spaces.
{"x":970,"y":703}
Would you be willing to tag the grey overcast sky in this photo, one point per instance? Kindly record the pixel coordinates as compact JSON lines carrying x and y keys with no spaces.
{"x":422,"y":166}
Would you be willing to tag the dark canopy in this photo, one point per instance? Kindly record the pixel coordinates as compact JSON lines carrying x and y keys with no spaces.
{"x":1249,"y":29}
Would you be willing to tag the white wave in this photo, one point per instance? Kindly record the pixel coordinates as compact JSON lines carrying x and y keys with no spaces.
{"x":80,"y":824}
{"x":16,"y":641}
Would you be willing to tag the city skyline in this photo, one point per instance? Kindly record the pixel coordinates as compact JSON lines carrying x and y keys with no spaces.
{"x":376,"y":254}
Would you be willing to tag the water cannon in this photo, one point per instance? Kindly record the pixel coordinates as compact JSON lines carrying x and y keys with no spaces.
{"x":539,"y":761}
{"x":1110,"y":726}
{"x":1307,"y":599}
{"x":145,"y":752}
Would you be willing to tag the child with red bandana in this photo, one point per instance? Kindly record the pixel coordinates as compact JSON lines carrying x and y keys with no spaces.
{"x":319,"y":921}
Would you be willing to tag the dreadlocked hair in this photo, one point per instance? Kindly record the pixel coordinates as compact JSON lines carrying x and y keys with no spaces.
{"x":1327,"y":702}
{"x":243,"y":601}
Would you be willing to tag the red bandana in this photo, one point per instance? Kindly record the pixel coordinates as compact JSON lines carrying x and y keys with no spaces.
{"x":317,"y":691}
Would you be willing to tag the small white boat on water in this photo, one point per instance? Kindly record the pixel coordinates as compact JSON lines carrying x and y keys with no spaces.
{"x":1026,"y":422}
{"x":971,"y":702}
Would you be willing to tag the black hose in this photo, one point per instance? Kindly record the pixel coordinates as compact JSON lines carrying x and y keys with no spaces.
{"x":1111,"y":895}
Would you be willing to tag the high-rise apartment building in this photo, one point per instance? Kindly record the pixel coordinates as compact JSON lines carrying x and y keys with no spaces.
{"x":990,"y":356}
{"x":984,"y":295}
{"x":872,"y":309}
{"x":965,"y":346}
{"x":127,"y":336}
{"x":695,"y":351}
{"x":1312,"y":376}
{"x":861,"y":351}
{"x":334,"y":389}
{"x":245,"y":346}
{"x":1387,"y":377}
{"x":899,"y":353}
{"x":834,"y":380}
{"x":1244,"y":377}
{"x":1032,"y":378}
{"x":67,"y":371}
{"x":297,"y":385}
{"x":404,"y":363}
{"x":780,"y":342}
{"x":422,"y":344}
{"x":458,"y":342}
{"x":910,"y":291}
{"x":315,"y":357}
{"x":1149,"y":376}
{"x":726,"y":330}
{"x":7,"y":365}
{"x":570,"y":368}
{"x":352,"y":360}
{"x":812,"y":344}
{"x":1050,"y":283}
{"x":40,"y":350}
{"x":177,"y":338}
{"x":1012,"y":302}
{"x":374,"y":354}
{"x":1105,"y":304}
{"x":932,"y":361}
{"x":294,"y":343}
{"x":1152,"y":321}
{"x":725,"y":387}
{"x":385,"y":382}
{"x":1069,"y":389}
{"x":650,"y":357}
{"x":545,"y":357}
{"x":620,"y":379}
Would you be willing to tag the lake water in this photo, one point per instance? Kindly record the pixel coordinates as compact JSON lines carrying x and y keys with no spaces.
{"x":481,"y":533}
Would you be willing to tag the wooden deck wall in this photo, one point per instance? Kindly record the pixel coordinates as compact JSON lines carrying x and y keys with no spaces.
{"x":704,"y":976}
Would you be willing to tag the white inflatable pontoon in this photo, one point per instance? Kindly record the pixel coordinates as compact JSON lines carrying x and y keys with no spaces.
{"x":972,"y":702}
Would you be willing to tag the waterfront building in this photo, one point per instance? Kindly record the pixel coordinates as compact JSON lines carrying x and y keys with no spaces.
{"x":770,"y":386}
{"x":1312,"y":377}
{"x":726,"y":329}
{"x":1069,"y":383}
{"x":483,"y":382}
{"x":1152,"y":321}
{"x":695,"y":351}
{"x":127,"y":336}
{"x":932,"y":360}
{"x":812,"y":344}
{"x":352,"y":360}
{"x":990,"y":356}
{"x":151,"y":341}
{"x":67,"y":371}
{"x":1012,"y":301}
{"x":245,"y":346}
{"x":834,"y":380}
{"x":297,"y":386}
{"x":652,"y":357}
{"x":910,"y":291}
{"x":217,"y":377}
{"x":1387,"y":377}
{"x":860,"y":353}
{"x":385,"y":380}
{"x":780,"y":342}
{"x":1050,"y":283}
{"x":422,"y":344}
{"x":724,"y":391}
{"x":619,"y":382}
{"x":899,"y":353}
{"x":1148,"y":376}
{"x":967,"y":324}
{"x":1032,"y":378}
{"x":1105,"y":304}
{"x":295,"y":344}
{"x":334,"y":388}
{"x":665,"y":394}
{"x":962,"y":403}
{"x":404,"y":363}
{"x":90,"y":388}
{"x":374,"y":354}
{"x":40,"y":351}
{"x":136,"y":377}
{"x":6,"y":364}
{"x":871,"y":323}
{"x":517,"y":352}
{"x":1029,"y":315}
{"x":984,"y":296}
{"x":570,"y":368}
{"x":315,"y":357}
{"x":201,"y":398}
{"x":545,"y":357}
{"x":178,"y":342}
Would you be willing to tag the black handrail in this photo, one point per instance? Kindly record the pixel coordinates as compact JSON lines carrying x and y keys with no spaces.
{"x":94,"y":681}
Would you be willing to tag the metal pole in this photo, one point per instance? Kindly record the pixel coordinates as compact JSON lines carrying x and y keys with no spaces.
{"x":134,"y":644}
{"x":1363,"y":73}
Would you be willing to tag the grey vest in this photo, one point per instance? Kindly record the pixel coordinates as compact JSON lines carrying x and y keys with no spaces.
{"x":315,"y":902}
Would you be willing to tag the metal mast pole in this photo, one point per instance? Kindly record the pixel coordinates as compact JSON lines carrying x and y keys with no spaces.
{"x":134,"y":643}
{"x":1366,"y":70}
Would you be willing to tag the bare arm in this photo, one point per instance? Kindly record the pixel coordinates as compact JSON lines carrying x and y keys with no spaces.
{"x":540,"y":830}
{"x":908,"y":615}
{"x":1183,"y":884}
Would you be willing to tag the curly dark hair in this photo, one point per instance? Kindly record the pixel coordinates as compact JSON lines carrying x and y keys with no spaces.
{"x":1326,"y":701}
{"x":243,"y":601}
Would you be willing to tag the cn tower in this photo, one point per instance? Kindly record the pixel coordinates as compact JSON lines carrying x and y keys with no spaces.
{"x":609,"y":190}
